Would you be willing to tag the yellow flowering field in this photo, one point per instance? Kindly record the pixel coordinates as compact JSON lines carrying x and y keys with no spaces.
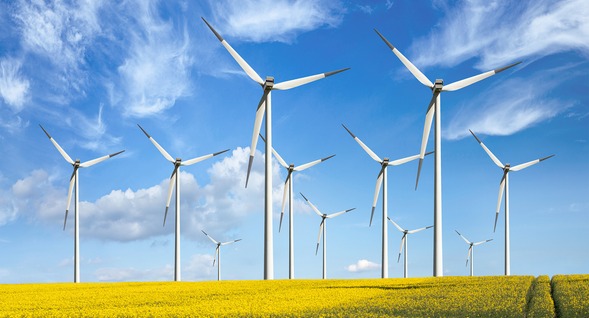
{"x":497,"y":296}
{"x":571,"y":295}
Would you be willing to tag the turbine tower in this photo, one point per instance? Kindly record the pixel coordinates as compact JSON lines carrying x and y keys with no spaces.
{"x":265,"y":106}
{"x":323,"y":231}
{"x":175,"y":181}
{"x":382,"y":180}
{"x":218,"y":252}
{"x":404,"y":244}
{"x":471,"y":251}
{"x":288,"y":187}
{"x":74,"y":180}
{"x":434,"y":108}
{"x":504,"y":187}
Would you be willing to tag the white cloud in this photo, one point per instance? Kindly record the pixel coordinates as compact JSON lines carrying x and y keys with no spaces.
{"x":61,"y":33}
{"x":365,"y":8}
{"x":157,"y":70}
{"x":502,"y":32}
{"x":513,"y":105}
{"x":274,"y":20}
{"x":14,"y":88}
{"x":363,"y":265}
{"x":126,"y":215}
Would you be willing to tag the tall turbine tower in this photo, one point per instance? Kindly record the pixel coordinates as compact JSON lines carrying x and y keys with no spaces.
{"x":175,"y":180}
{"x":404,"y":244}
{"x":382,"y":180}
{"x":74,"y":180}
{"x":434,"y":108}
{"x":218,"y":252}
{"x":288,"y":187}
{"x":265,"y":106}
{"x":323,"y":231}
{"x":471,"y":251}
{"x":504,"y":187}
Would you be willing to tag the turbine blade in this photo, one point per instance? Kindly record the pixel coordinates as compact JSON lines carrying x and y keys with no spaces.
{"x":377,"y":191}
{"x":482,"y":242}
{"x":230,"y":242}
{"x":278,"y":157}
{"x":69,"y":196}
{"x":310,"y":164}
{"x":98,"y":160}
{"x":319,"y":237}
{"x":286,"y":185}
{"x":429,"y":117}
{"x":199,"y":159}
{"x":216,"y":254}
{"x":210,"y":238}
{"x":159,"y":148}
{"x":170,"y":189}
{"x":401,"y":161}
{"x":257,"y":126}
{"x":471,"y":80}
{"x":368,"y":150}
{"x":527,"y":164}
{"x":401,"y":247}
{"x":395,"y":224}
{"x":312,"y":206}
{"x":414,"y":70}
{"x":500,"y":198}
{"x":242,"y":63}
{"x":330,"y":216}
{"x":305,"y":80}
{"x":464,"y":238}
{"x":61,"y":151}
{"x":419,"y":230}
{"x":488,"y":151}
{"x":469,"y":255}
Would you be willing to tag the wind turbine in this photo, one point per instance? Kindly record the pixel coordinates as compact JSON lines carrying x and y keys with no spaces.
{"x":434,"y":108}
{"x":471,"y":251}
{"x":265,"y":105}
{"x":74,"y":180}
{"x":175,"y":181}
{"x":288,"y":187}
{"x":322,"y":231}
{"x":504,"y":187}
{"x":218,"y":252}
{"x":382,"y":180}
{"x":404,"y":243}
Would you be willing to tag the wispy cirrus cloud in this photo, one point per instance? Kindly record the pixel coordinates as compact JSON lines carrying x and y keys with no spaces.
{"x":275,"y":20}
{"x":511,"y":106}
{"x":501,"y":32}
{"x":14,"y":87}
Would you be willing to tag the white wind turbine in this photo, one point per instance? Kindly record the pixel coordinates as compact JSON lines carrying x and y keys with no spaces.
{"x":175,"y":181}
{"x":322,"y":231}
{"x":74,"y":180}
{"x":504,"y":187}
{"x":265,"y":106}
{"x":434,"y":108}
{"x":404,"y":244}
{"x":288,"y":187}
{"x":382,"y":180}
{"x":471,"y":251}
{"x":218,"y":252}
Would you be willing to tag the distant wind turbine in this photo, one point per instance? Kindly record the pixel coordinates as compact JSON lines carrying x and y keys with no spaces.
{"x":504,"y":187}
{"x":404,"y":244}
{"x":74,"y":180}
{"x":265,"y":106}
{"x":323,"y":231}
{"x":434,"y":107}
{"x":175,"y":180}
{"x":288,"y":187}
{"x":218,"y":252}
{"x":382,"y":180}
{"x":471,"y":251}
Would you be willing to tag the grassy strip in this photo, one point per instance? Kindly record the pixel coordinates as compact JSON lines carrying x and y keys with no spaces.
{"x":499,"y":296}
{"x":571,"y":295}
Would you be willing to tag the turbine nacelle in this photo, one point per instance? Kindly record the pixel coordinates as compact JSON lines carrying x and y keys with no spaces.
{"x":269,"y":83}
{"x":438,"y":85}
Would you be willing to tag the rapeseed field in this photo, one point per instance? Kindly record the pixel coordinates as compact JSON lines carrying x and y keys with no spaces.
{"x":414,"y":297}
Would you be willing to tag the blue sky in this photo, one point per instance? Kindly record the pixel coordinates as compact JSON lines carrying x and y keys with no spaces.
{"x":90,"y":71}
